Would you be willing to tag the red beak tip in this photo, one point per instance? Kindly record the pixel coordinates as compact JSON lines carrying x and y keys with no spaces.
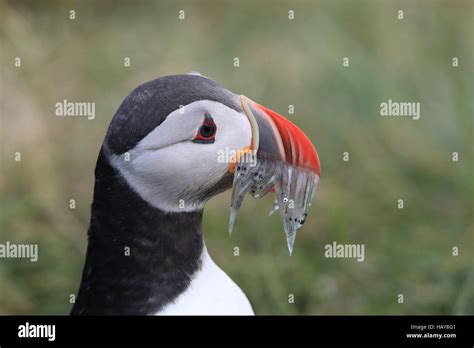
{"x":299,"y":151}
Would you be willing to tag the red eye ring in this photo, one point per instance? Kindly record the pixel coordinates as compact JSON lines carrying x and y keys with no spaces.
{"x":207,"y":131}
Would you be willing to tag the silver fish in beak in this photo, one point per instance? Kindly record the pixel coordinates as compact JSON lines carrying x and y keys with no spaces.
{"x":281,"y":159}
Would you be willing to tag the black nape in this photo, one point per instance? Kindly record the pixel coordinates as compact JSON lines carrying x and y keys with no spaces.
{"x":139,"y":258}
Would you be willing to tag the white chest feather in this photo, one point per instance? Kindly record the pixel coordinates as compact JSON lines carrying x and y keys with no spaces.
{"x":211,"y":292}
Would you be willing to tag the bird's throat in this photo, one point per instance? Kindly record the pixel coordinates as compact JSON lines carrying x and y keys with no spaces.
{"x":139,"y":258}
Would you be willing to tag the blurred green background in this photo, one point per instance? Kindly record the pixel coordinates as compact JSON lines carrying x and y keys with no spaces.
{"x":282,"y":62}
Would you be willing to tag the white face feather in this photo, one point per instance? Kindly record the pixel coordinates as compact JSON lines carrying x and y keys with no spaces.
{"x":169,"y":170}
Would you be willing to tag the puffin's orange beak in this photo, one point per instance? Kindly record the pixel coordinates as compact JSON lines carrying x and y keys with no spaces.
{"x":276,"y":137}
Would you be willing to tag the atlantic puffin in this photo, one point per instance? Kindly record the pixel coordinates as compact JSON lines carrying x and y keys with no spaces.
{"x":157,"y":167}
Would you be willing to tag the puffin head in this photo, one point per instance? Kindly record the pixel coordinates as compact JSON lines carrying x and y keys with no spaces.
{"x":176,"y":141}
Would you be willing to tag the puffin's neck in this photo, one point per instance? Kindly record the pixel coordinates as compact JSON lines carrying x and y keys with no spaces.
{"x":139,"y":258}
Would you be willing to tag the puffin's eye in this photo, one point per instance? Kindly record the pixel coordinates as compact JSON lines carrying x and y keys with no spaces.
{"x":207,"y":131}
